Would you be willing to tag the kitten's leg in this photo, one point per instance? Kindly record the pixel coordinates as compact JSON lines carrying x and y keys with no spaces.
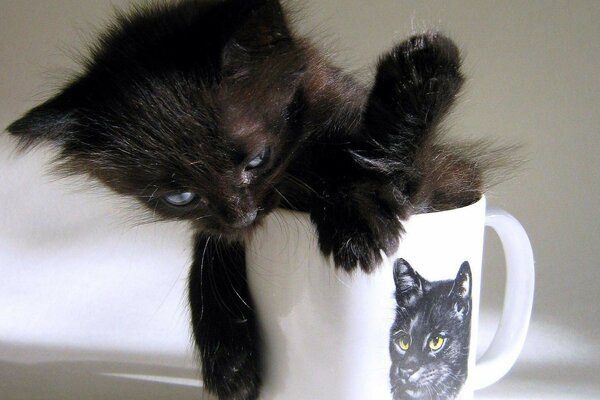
{"x":416,"y":84}
{"x":223,"y":321}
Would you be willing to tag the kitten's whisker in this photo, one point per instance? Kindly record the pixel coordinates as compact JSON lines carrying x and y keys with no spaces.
{"x":202,"y":217}
{"x":227,"y":272}
{"x":300,"y":183}
{"x":297,"y":218}
{"x":202,"y":279}
{"x":282,"y":196}
{"x":283,"y":225}
{"x":154,"y":192}
{"x":215,"y":288}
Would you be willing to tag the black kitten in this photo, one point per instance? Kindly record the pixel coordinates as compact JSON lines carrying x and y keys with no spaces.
{"x":216,"y":113}
{"x":429,"y":341}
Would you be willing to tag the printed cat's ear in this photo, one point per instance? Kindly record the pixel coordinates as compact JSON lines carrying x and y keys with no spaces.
{"x":462,"y":284}
{"x":51,"y":121}
{"x":409,"y":284}
{"x":461,"y":290}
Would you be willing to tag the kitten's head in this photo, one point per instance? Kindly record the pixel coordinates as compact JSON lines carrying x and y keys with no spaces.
{"x":191,"y":108}
{"x":429,"y":341}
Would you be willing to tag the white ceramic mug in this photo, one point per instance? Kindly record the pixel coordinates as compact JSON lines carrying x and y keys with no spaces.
{"x":406,"y":331}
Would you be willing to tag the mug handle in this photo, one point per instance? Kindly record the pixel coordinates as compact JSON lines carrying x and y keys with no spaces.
{"x":518,"y":300}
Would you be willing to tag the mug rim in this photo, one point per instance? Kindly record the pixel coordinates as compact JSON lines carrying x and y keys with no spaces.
{"x":475,"y":204}
{"x":482,"y":199}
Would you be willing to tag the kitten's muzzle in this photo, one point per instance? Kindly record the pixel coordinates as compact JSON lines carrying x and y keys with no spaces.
{"x":240,"y":211}
{"x":245,"y":220}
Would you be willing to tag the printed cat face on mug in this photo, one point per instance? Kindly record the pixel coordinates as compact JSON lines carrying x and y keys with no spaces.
{"x":430,"y":337}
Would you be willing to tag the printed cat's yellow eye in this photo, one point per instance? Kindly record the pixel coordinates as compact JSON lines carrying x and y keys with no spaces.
{"x":404,"y":342}
{"x":436,"y":343}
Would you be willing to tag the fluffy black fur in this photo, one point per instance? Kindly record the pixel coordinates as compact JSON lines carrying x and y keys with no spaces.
{"x":221,"y":101}
{"x":430,"y":337}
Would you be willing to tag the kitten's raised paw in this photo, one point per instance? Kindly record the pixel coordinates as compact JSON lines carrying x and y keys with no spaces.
{"x":416,"y":84}
{"x":426,"y":56}
{"x":422,"y":74}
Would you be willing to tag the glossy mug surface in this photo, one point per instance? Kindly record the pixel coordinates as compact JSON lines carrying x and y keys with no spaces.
{"x":406,"y":331}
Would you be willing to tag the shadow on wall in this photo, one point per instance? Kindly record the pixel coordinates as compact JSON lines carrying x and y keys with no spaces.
{"x":91,"y":380}
{"x":556,"y":381}
{"x":557,"y":362}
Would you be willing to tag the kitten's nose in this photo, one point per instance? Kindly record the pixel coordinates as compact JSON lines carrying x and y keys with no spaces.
{"x":245,"y":220}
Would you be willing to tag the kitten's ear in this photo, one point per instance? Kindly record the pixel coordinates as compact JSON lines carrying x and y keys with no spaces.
{"x":409,"y":284}
{"x":264,"y":25}
{"x":52,"y":121}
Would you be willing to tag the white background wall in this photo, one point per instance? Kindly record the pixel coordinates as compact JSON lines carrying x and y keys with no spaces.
{"x":533,"y":79}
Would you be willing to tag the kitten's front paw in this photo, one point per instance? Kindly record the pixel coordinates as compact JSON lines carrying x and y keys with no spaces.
{"x":356,"y":237}
{"x":362,"y":250}
{"x":232,"y":374}
{"x":223,"y":319}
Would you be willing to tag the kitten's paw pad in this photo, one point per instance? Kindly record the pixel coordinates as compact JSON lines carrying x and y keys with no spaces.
{"x":233,"y":375}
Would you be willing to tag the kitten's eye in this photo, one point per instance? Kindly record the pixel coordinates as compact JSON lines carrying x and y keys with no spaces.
{"x":404,"y":342}
{"x":259,"y":160}
{"x":437,"y":343}
{"x":180,"y":199}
